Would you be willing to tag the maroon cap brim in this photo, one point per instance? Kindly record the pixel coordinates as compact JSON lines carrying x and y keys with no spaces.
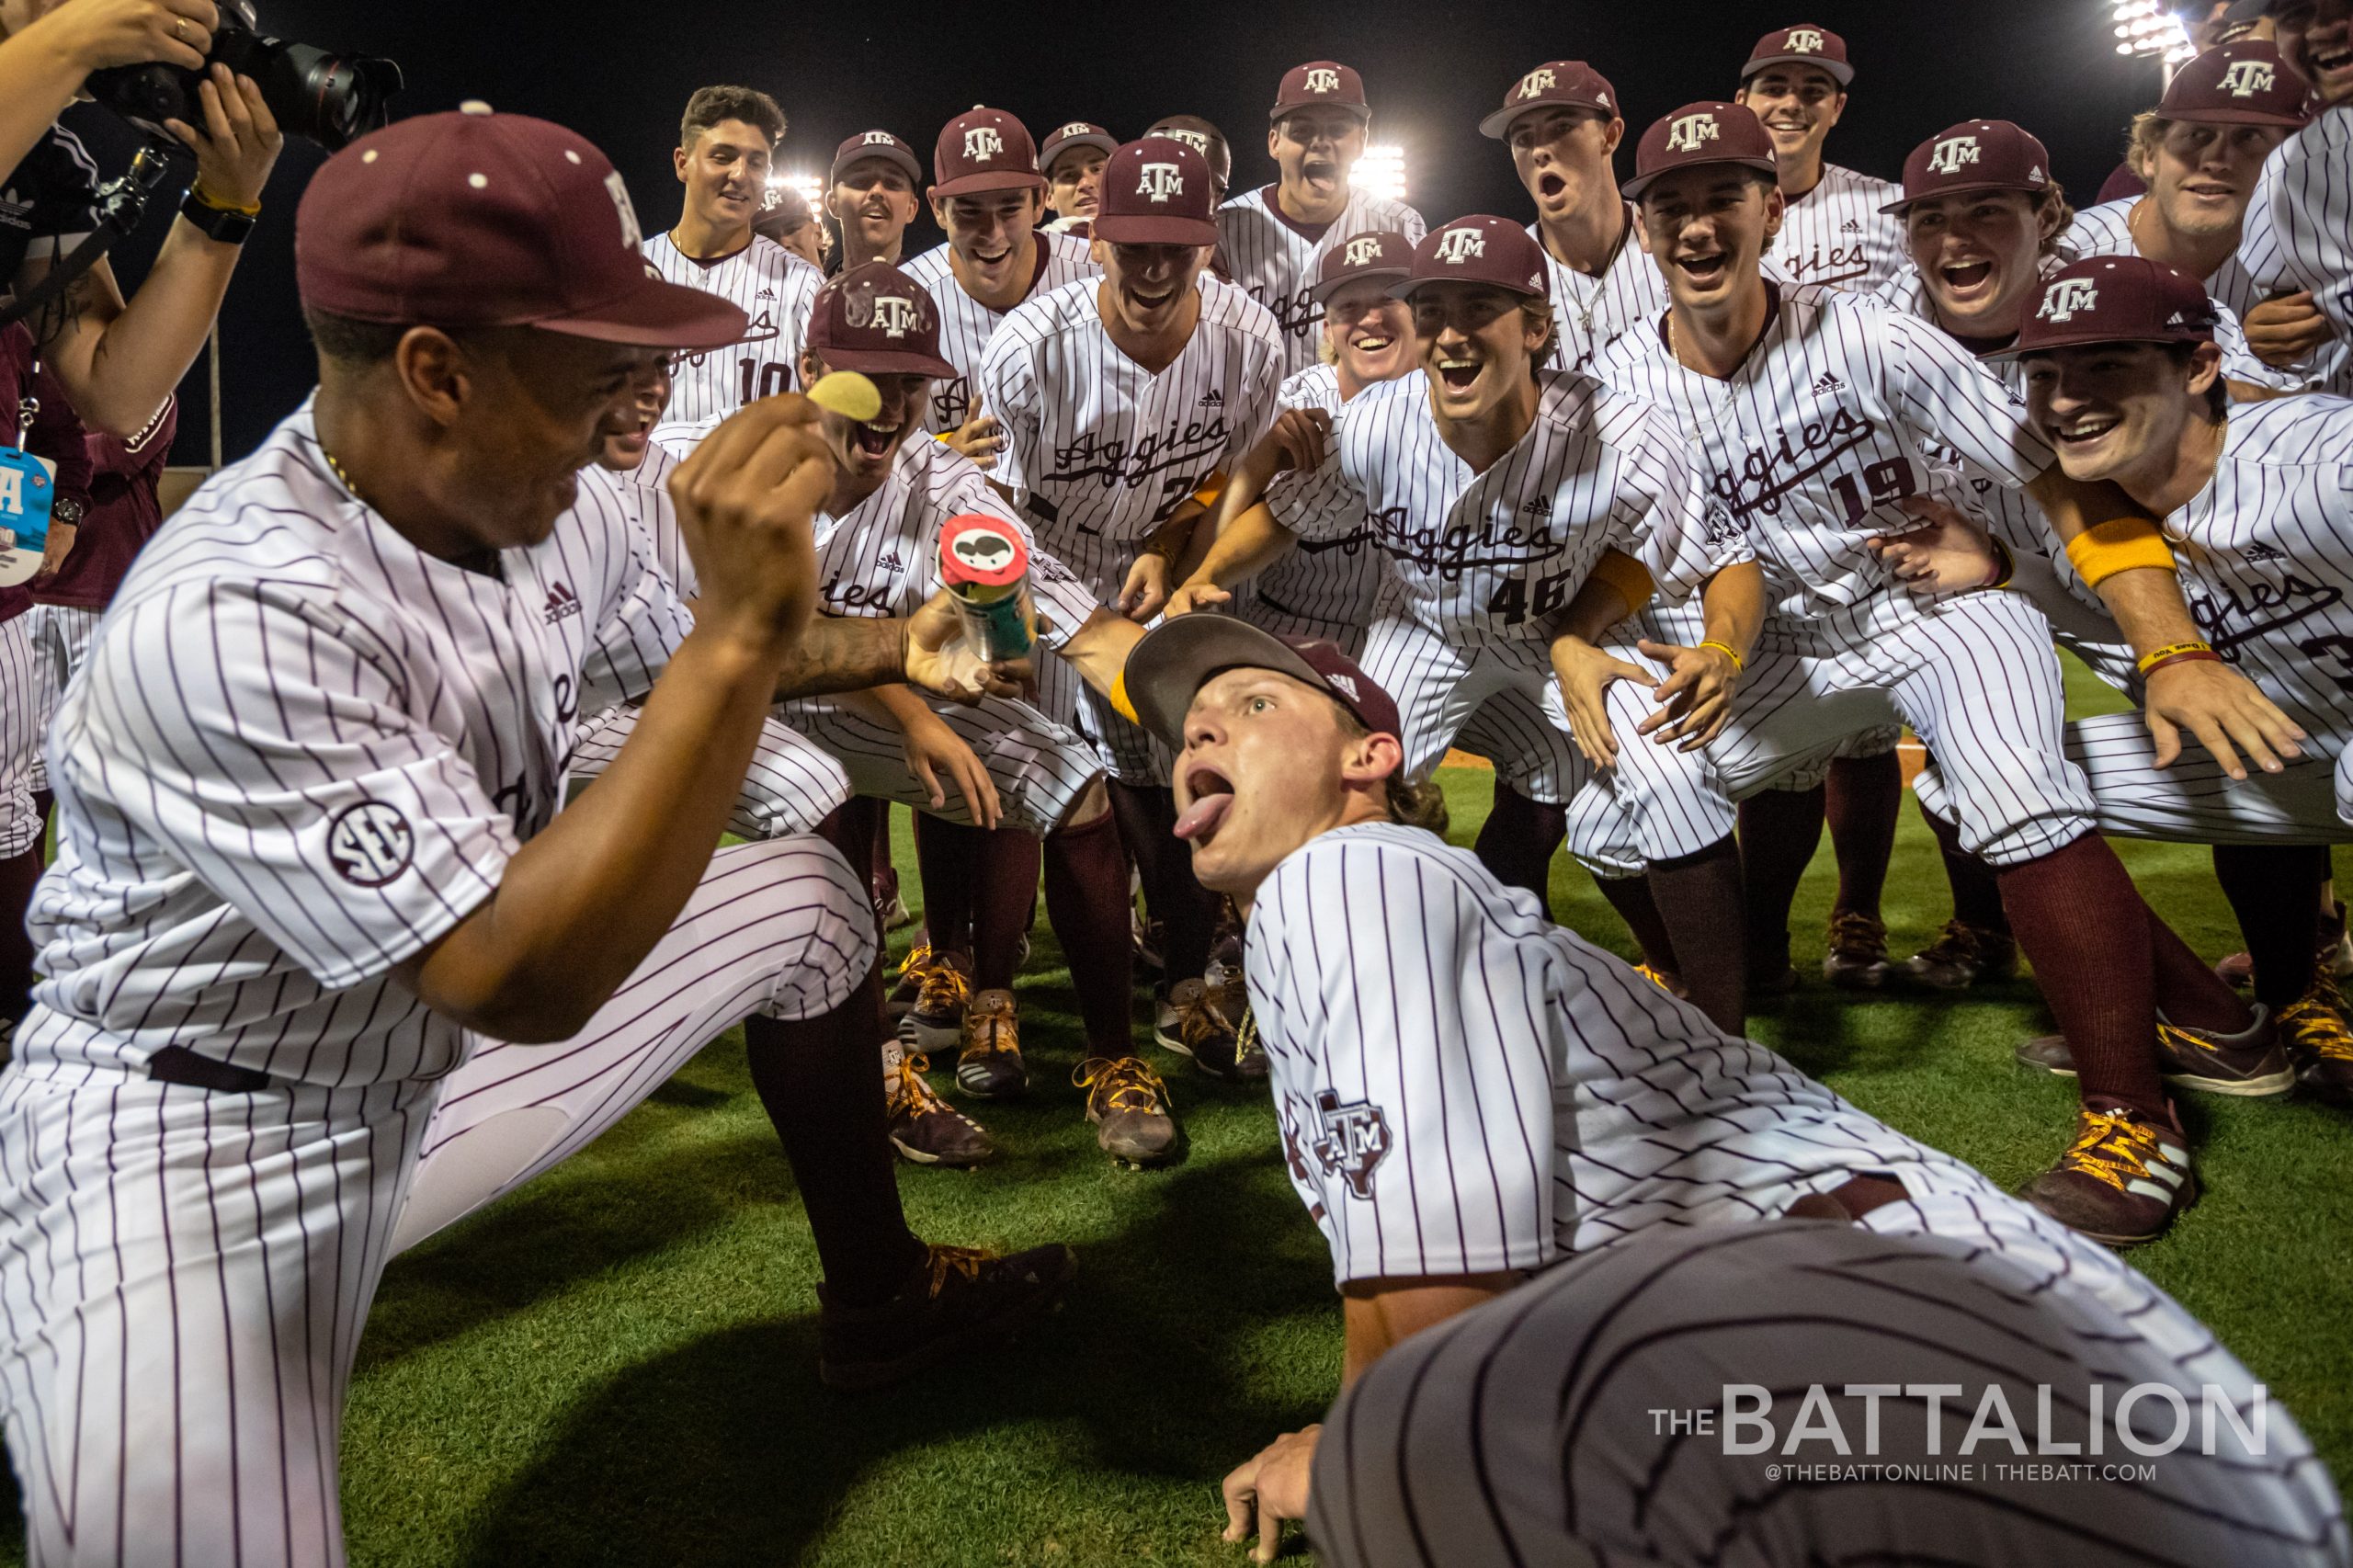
{"x":883,"y":361}
{"x":1322,"y":292}
{"x":1632,"y":189}
{"x":898,"y":158}
{"x":2086,"y":337}
{"x":656,"y":314}
{"x":990,"y":179}
{"x":1362,"y":112}
{"x":1497,"y":126}
{"x":1404,"y":287}
{"x":2235,"y":117}
{"x":1143,"y":231}
{"x":1177,"y":657}
{"x":1108,"y":145}
{"x":1838,"y":71}
{"x":1897,"y":209}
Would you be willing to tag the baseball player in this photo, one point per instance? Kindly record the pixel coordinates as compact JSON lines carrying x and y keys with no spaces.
{"x":1512,"y":504}
{"x":1836,"y":232}
{"x":2123,"y":376}
{"x":726,"y":144}
{"x":871,"y":196}
{"x":1206,"y":139}
{"x":1072,"y":161}
{"x":1811,"y":421}
{"x":789,"y":220}
{"x":988,"y":197}
{"x":302,"y":908}
{"x":41,"y":423}
{"x":1468,"y":1093}
{"x":2294,"y":246}
{"x":1121,"y":399}
{"x":1273,"y":238}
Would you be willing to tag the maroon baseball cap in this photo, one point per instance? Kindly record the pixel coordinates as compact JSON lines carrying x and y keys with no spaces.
{"x":1480,"y":249}
{"x":984,"y":149}
{"x":1556,"y":84}
{"x":1179,"y":657}
{"x":475,"y":219}
{"x":1380,"y":254}
{"x":1321,"y":82}
{"x":1703,"y":132}
{"x":875,"y":144}
{"x":2115,"y":299}
{"x":1978,"y":155}
{"x":1077,"y":133}
{"x":1805,"y":44}
{"x":1156,"y":192}
{"x":2239,"y":83}
{"x":877,"y":319}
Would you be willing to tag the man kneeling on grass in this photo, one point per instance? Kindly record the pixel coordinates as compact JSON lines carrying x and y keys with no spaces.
{"x":1469,"y":1093}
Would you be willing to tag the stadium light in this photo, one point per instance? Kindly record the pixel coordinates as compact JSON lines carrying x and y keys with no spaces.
{"x":811,"y":187}
{"x":2145,"y":29}
{"x":1381,"y":172}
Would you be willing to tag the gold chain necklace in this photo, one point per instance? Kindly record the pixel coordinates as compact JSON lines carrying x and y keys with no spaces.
{"x":338,"y":470}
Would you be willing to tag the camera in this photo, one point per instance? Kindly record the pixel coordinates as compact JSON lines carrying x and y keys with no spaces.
{"x":332,"y":99}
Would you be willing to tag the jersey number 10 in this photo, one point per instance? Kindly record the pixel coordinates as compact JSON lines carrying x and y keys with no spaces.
{"x":770,"y":379}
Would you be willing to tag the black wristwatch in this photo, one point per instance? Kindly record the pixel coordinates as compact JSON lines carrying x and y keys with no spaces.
{"x":66,"y":512}
{"x":229,"y":228}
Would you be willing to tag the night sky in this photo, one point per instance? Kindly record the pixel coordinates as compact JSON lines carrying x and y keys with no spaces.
{"x":621,"y":73}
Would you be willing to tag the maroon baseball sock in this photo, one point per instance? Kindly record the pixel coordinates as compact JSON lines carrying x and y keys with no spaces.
{"x":1630,"y":897}
{"x":1861,"y":799}
{"x":18,"y":873}
{"x":948,"y":861}
{"x":1086,"y":900}
{"x":820,"y":1081}
{"x":2274,"y":889}
{"x":1517,"y":840}
{"x":1779,"y":831}
{"x":882,"y":873}
{"x":1976,"y":889}
{"x":2192,"y":993}
{"x":1698,"y":900}
{"x":2081,"y":922}
{"x":1004,"y":893}
{"x":1147,"y":816}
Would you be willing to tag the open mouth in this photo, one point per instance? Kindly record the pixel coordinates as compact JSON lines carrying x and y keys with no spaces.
{"x":1212,"y":795}
{"x":1320,"y":171}
{"x":874,"y":440}
{"x":985,"y":259}
{"x":1458,"y":375}
{"x":1372,"y":343}
{"x":1967,"y":278}
{"x":1550,"y":185}
{"x":1151,"y":302}
{"x":1705,"y":270}
{"x":1788,"y":127}
{"x":2083,"y":432}
{"x":2334,"y":57}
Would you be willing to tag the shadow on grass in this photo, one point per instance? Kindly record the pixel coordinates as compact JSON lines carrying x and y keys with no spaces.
{"x":1145,"y":1371}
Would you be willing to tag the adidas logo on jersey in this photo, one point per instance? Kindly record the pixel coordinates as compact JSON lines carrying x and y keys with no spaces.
{"x":2257,"y":554}
{"x":768,"y":294}
{"x":1828,"y":383}
{"x":1213,"y":399}
{"x":561,"y":602}
{"x":1540,"y":507}
{"x":891,"y":563}
{"x":1851,"y":226}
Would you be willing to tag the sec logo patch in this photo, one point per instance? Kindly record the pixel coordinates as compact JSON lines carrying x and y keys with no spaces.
{"x":370,"y":844}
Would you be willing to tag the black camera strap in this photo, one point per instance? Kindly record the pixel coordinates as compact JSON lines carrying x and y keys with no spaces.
{"x":122,"y":207}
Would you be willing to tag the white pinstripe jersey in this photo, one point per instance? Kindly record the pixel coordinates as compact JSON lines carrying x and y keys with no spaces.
{"x":1594,"y":313}
{"x":1098,"y":453}
{"x":1836,"y":236}
{"x":1465,"y":1088}
{"x":1813,"y":444}
{"x":966,"y":325}
{"x":1276,"y":262}
{"x":2299,"y":232}
{"x":645,"y":494}
{"x":2265,"y":554}
{"x":300,"y":751}
{"x":769,"y":284}
{"x":1481,"y":557}
{"x":1337,"y":579}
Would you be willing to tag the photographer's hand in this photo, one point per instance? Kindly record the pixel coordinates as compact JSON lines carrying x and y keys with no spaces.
{"x":240,"y":143}
{"x":95,"y":34}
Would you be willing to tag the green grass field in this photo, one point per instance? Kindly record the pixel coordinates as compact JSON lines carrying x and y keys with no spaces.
{"x":617,"y":1364}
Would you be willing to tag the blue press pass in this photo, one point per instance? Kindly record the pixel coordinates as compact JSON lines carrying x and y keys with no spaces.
{"x":27,"y":492}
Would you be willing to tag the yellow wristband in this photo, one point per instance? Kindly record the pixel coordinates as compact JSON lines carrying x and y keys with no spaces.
{"x":2172,"y":650}
{"x":1726,"y":650}
{"x":2127,"y":544}
{"x":1628,"y":575}
{"x":206,"y":198}
{"x":1211,"y":488}
{"x":1119,"y":703}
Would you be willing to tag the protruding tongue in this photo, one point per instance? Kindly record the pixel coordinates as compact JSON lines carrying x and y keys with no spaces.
{"x":1203,"y":817}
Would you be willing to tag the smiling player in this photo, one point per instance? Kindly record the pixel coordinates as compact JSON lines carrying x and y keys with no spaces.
{"x":871,"y":196}
{"x":1835,"y":231}
{"x":2295,"y":245}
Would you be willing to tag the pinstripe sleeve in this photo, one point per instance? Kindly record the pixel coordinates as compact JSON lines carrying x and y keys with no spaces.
{"x":1322,"y":505}
{"x":1413,"y":1081}
{"x":2300,"y":225}
{"x":1948,"y":397}
{"x":643,"y":622}
{"x":1006,"y":387}
{"x":273,"y":747}
{"x":1681,"y":536}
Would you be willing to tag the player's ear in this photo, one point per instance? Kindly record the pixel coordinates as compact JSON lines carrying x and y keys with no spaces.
{"x":1837,"y":109}
{"x":2205,"y":367}
{"x":938,"y":207}
{"x":1098,"y":252}
{"x":1273,"y":137}
{"x":436,"y":372}
{"x":1612,"y":134}
{"x":1371,"y":758}
{"x":679,"y":158}
{"x":1777,"y":210}
{"x":810,"y":369}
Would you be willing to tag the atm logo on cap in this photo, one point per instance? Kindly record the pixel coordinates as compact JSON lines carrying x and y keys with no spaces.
{"x":632,"y":235}
{"x":1161,"y":181}
{"x":1323,"y":81}
{"x":1076,"y":127}
{"x":2066,"y":297}
{"x":879,"y":139}
{"x":1805,"y":40}
{"x":1536,"y":81}
{"x":896,"y":314}
{"x":1362,"y":251}
{"x":1953,"y":155}
{"x":1692,"y":133}
{"x":982,"y":143}
{"x":2247,"y":77}
{"x":1459,"y":245}
{"x":1193,"y":139}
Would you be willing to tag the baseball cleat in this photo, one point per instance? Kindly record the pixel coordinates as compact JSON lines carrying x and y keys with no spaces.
{"x":924,"y":1129}
{"x":893,"y":912}
{"x":1670,"y":984}
{"x":1193,"y":1022}
{"x":1962,"y":956}
{"x":2248,"y":1065}
{"x":935,"y":1022}
{"x":959,"y":1299}
{"x":2313,"y":1032}
{"x":909,"y":984}
{"x":2122,"y":1181}
{"x":989,"y":1067}
{"x":1129,"y":1106}
{"x":1857,"y":957}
